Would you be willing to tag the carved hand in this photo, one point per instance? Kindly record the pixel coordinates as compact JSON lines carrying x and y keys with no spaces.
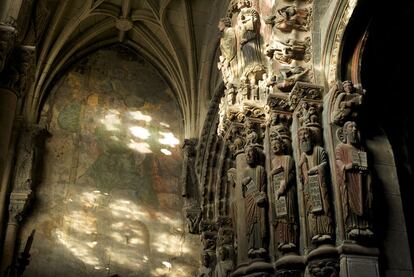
{"x":313,"y":171}
{"x":282,"y":189}
{"x":261,"y":200}
{"x":277,"y":170}
{"x":246,"y":181}
{"x":351,"y":166}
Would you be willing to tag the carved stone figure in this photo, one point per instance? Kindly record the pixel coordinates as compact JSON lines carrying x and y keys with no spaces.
{"x":308,"y":115}
{"x":228,"y":47}
{"x":355,"y":183}
{"x":205,"y":270}
{"x":224,"y":264}
{"x":289,"y":18}
{"x":313,"y":165}
{"x":188,"y":178}
{"x":282,"y":193}
{"x":286,"y":79}
{"x":208,"y":235}
{"x":248,"y":27}
{"x":225,"y":234}
{"x":347,"y":103}
{"x":287,"y":51}
{"x":254,"y":194}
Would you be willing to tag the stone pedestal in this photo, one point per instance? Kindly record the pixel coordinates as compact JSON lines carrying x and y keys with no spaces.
{"x":361,"y":266}
{"x":257,"y":267}
{"x":324,"y":261}
{"x":357,"y":260}
{"x":291,"y":265}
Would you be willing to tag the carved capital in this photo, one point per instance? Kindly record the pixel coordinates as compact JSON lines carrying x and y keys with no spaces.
{"x":19,"y":201}
{"x":193,"y":217}
{"x":8,"y":36}
{"x":305,"y":91}
{"x":18,"y":74}
{"x":278,"y":102}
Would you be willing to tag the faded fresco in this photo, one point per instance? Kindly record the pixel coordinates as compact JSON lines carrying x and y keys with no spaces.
{"x":109,"y":202}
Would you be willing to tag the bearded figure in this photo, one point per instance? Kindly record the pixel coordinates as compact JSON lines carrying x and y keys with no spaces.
{"x":282,"y":194}
{"x":313,"y":166}
{"x":354,"y":182}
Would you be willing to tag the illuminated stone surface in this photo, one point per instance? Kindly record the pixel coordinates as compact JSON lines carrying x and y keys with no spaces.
{"x":110,"y":201}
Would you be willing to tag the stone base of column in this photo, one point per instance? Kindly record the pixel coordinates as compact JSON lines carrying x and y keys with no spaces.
{"x":323,"y":261}
{"x":256,"y":267}
{"x":291,"y":265}
{"x":357,"y":260}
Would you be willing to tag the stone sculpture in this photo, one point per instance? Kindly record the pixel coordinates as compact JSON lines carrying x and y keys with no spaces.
{"x":228,"y":47}
{"x":282,"y":192}
{"x":313,"y":165}
{"x":254,"y":194}
{"x":224,"y":265}
{"x":355,"y":183}
{"x":290,"y":18}
{"x":248,"y":27}
{"x":347,"y":103}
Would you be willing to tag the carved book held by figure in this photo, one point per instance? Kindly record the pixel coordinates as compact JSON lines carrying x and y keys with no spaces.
{"x":280,"y":203}
{"x":315,"y":194}
{"x":360,"y":158}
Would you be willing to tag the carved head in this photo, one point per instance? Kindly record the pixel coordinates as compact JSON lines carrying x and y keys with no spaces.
{"x":224,"y":23}
{"x":252,"y":155}
{"x":350,"y":133}
{"x":305,"y":140}
{"x":348,"y":86}
{"x":278,"y":145}
{"x":223,"y":253}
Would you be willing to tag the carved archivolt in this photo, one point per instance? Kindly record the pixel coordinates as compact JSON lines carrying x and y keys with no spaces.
{"x":277,"y":168}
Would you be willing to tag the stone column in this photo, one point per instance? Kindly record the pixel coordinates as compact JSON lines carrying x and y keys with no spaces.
{"x":18,"y":203}
{"x":7,"y":39}
{"x":28,"y":165}
{"x":13,"y":82}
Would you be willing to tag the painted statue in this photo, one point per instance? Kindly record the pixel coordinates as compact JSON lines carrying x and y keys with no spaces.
{"x":282,"y":193}
{"x":354,"y":182}
{"x":313,"y":166}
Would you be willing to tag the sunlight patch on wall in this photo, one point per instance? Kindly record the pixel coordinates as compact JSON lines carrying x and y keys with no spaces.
{"x":166,"y":152}
{"x":168,"y":139}
{"x":137,"y":115}
{"x":139,"y":132}
{"x":141,"y":147}
{"x":112,"y":120}
{"x":137,"y":125}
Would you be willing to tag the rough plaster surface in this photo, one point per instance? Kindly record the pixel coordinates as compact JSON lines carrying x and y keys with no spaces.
{"x":105,"y":206}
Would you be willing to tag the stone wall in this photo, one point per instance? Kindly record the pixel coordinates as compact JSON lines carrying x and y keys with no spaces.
{"x":110,"y":202}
